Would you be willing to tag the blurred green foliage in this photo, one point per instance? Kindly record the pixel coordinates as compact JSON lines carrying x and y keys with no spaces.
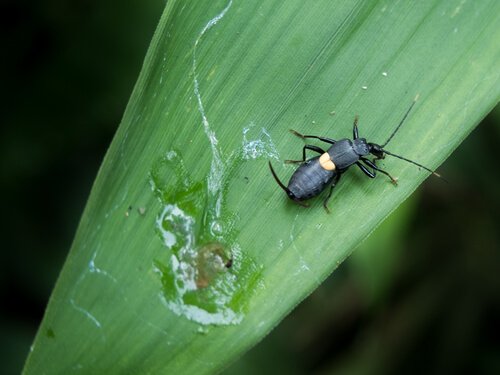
{"x":420,"y":295}
{"x":68,"y":68}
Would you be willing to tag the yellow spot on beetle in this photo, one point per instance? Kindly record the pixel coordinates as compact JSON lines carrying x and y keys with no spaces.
{"x":326,"y":162}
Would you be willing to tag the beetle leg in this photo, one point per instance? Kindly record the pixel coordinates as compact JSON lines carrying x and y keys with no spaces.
{"x":324,"y":139}
{"x":281,"y":184}
{"x":355,"y":133}
{"x":366,"y":171}
{"x":300,"y":203}
{"x":317,"y":149}
{"x":325,"y":202}
{"x":373,"y":173}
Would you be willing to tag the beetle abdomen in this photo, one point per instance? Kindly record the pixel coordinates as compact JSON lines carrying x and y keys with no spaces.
{"x":310,"y":179}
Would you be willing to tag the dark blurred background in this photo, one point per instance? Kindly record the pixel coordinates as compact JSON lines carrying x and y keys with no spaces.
{"x":422,"y":295}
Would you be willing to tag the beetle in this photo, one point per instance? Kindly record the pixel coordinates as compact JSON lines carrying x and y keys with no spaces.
{"x":314,"y":175}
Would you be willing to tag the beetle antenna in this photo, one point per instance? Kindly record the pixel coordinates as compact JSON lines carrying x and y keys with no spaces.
{"x":402,"y":121}
{"x":413,"y":162}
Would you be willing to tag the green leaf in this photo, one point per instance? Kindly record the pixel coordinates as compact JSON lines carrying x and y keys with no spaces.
{"x":188,"y":253}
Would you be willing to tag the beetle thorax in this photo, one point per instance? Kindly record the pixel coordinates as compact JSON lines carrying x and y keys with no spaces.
{"x":361,"y":147}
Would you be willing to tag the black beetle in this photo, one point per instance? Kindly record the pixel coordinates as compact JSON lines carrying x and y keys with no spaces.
{"x":315,"y":174}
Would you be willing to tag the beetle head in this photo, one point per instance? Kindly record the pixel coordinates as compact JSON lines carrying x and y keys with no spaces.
{"x":376,"y":150}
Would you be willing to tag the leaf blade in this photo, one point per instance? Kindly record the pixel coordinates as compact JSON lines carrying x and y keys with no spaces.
{"x":248,"y":70}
